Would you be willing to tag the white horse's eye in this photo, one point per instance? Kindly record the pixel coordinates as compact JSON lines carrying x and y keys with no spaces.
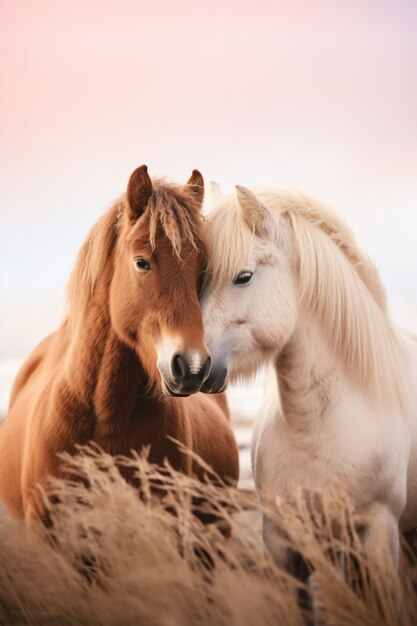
{"x":142,"y":265}
{"x":242,"y":278}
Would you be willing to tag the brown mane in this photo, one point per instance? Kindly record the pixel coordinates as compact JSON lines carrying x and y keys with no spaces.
{"x":92,"y":257}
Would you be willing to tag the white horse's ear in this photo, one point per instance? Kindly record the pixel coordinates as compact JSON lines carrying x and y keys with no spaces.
{"x":253,"y":210}
{"x":214,"y":192}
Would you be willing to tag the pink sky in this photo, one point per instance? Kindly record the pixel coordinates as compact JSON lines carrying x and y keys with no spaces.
{"x":322,"y":95}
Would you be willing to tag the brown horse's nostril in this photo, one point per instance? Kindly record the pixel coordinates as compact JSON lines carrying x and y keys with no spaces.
{"x":180,"y":367}
{"x":186,"y":371}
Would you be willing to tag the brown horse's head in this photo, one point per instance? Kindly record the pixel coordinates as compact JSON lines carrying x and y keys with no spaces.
{"x":160,"y":256}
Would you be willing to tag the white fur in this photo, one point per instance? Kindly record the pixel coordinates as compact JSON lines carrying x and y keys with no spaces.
{"x":341,"y":403}
{"x":214,"y":192}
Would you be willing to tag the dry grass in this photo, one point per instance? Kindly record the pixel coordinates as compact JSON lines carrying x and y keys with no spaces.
{"x":113,"y":558}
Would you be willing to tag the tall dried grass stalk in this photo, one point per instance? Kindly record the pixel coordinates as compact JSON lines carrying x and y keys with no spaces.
{"x":113,"y":558}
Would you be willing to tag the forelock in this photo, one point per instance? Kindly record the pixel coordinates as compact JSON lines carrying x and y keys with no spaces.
{"x":233,"y":243}
{"x":178,"y":214}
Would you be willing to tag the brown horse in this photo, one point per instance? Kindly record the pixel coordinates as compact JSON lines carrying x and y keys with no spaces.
{"x":120,"y":367}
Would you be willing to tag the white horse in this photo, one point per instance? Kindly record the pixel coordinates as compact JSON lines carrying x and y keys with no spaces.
{"x":289,"y":286}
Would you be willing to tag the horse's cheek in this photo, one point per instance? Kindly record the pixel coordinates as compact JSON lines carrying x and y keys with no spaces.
{"x":125,"y":309}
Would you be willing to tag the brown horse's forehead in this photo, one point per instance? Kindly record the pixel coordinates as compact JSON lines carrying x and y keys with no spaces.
{"x":195,"y":253}
{"x":187,"y":262}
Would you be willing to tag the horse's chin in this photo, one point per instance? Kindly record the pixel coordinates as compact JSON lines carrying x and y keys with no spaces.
{"x":171,"y":392}
{"x":244,"y":367}
{"x":174,"y":394}
{"x":167,"y":391}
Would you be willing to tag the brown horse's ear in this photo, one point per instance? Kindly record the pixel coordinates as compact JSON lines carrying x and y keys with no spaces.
{"x":196,"y":184}
{"x":139,"y":190}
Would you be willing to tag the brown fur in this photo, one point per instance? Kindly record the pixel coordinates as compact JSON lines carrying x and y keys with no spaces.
{"x":96,"y":377}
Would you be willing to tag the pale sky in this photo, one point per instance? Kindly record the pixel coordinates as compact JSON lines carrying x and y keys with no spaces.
{"x":321,"y":95}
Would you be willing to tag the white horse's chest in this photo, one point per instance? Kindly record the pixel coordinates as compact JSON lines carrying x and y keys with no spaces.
{"x":366,"y":452}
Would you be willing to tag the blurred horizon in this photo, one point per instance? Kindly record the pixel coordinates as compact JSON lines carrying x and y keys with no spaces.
{"x":321,"y":96}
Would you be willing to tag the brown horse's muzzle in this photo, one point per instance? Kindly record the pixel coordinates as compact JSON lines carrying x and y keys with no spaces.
{"x":187,"y":372}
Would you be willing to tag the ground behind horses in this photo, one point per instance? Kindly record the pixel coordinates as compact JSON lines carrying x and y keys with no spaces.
{"x":115,"y":558}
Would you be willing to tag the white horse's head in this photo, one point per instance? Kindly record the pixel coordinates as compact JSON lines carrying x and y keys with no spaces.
{"x":250,"y":298}
{"x":279,"y":258}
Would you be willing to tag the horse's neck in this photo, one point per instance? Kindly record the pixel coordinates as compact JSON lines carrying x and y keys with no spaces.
{"x":121,"y":380}
{"x":309,"y":377}
{"x":98,"y":365}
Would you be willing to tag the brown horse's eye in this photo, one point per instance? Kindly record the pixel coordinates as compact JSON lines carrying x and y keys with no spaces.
{"x":142,"y":265}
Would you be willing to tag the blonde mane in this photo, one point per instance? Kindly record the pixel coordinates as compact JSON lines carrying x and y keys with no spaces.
{"x":336,"y":281}
{"x":170,"y":206}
